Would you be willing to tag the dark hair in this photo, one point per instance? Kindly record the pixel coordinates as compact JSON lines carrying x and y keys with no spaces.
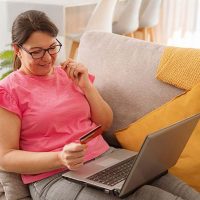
{"x":27,"y":23}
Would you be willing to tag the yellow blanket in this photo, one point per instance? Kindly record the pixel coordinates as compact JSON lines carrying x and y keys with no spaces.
{"x":180,"y":67}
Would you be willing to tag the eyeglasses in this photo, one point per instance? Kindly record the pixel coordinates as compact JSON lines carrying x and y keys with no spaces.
{"x":54,"y":49}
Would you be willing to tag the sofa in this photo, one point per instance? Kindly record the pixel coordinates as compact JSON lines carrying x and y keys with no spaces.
{"x":124,"y":70}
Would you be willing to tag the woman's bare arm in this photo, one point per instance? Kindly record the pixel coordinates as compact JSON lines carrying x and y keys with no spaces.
{"x":100,"y":111}
{"x":14,"y":160}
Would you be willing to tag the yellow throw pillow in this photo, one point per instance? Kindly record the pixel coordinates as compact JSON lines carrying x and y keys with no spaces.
{"x":188,"y":166}
{"x":176,"y":65}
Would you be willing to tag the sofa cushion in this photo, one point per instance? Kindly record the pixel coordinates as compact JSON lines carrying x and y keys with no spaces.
{"x":125,"y":71}
{"x":188,"y":165}
{"x":13,"y":187}
{"x":180,"y":67}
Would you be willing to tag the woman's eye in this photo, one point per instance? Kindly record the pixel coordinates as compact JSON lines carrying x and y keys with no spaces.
{"x":36,"y":52}
{"x":53,"y":47}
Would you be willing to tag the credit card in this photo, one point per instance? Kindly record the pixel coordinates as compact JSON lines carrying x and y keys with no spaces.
{"x":90,"y":135}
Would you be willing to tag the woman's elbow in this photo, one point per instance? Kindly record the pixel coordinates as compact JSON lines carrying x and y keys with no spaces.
{"x":2,"y":164}
{"x":108,"y":120}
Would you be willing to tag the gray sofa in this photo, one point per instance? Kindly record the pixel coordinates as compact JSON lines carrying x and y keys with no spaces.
{"x":125,"y":71}
{"x":125,"y":76}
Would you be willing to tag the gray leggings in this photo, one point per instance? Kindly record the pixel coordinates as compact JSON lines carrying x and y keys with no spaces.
{"x":56,"y":187}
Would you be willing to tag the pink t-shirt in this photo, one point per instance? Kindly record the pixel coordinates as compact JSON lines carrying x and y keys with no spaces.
{"x":53,"y":112}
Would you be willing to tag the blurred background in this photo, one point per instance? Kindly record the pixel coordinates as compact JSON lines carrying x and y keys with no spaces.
{"x":168,"y":22}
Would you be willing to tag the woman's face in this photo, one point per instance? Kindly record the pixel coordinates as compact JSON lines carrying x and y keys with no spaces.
{"x":33,"y":65}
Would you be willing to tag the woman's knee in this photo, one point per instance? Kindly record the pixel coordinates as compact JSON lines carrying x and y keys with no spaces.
{"x":177,"y":187}
{"x":147,"y":192}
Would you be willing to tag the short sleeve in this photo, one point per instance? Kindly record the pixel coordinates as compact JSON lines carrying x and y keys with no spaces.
{"x":8,"y":102}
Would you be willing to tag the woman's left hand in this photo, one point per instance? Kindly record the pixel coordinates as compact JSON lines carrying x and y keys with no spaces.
{"x":77,"y":72}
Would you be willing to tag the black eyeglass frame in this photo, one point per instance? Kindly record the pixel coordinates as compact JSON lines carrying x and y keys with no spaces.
{"x":45,"y":50}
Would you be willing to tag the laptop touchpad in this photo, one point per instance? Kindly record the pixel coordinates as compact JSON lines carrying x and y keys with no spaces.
{"x":106,"y":162}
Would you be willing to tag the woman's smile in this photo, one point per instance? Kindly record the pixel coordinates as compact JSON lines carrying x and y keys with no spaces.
{"x":45,"y":65}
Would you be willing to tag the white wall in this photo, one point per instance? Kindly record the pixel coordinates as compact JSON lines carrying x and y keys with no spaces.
{"x":5,"y":36}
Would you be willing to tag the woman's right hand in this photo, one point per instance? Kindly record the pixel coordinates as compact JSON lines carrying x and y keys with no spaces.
{"x":72,"y":155}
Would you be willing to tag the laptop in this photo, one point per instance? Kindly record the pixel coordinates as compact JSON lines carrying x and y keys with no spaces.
{"x":121,"y":171}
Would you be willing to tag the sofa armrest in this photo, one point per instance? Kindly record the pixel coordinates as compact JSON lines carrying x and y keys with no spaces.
{"x":12,"y":187}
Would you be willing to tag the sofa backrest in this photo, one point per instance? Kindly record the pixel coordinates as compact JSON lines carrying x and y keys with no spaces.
{"x":125,"y":76}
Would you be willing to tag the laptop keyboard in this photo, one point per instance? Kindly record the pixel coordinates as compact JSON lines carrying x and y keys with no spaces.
{"x":114,"y":174}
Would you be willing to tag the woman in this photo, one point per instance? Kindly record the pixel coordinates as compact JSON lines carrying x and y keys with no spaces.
{"x":45,"y":109}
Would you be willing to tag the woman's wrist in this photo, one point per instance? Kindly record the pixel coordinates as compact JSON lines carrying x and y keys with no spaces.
{"x":87,"y":89}
{"x":59,"y":161}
